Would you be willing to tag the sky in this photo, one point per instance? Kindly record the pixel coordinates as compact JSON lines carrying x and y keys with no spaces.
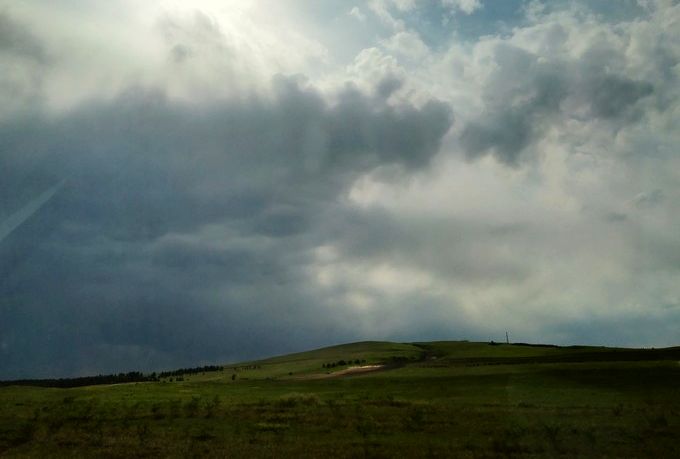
{"x":189,"y":183}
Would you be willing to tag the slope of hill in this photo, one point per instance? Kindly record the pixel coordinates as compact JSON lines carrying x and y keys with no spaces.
{"x":458,"y":399}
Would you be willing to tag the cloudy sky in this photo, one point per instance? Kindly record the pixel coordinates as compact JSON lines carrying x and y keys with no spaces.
{"x":184,"y":183}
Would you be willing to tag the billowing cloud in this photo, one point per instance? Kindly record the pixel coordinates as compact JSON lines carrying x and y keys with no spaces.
{"x":528,"y":91}
{"x":243,"y":180}
{"x":199,"y":218}
{"x":552,"y":207}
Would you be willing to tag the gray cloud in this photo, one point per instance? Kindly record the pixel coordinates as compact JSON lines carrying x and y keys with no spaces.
{"x":448,"y":248}
{"x":15,"y":220}
{"x":184,"y":232}
{"x":200,"y":32}
{"x":648,"y":199}
{"x":505,"y":134}
{"x":24,"y":61}
{"x":209,"y":216}
{"x":526,"y":93}
{"x":614,"y":96}
{"x":16,"y":40}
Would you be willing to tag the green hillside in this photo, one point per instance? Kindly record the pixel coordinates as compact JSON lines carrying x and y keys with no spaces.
{"x":381,"y":399}
{"x":310,"y":362}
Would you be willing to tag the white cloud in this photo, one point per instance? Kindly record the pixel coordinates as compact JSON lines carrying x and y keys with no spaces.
{"x":582,"y":219}
{"x":466,"y":6}
{"x":372,"y":65}
{"x":404,"y":5}
{"x":356,"y":12}
{"x":408,"y":44}
{"x":194,"y":53}
{"x":381,"y":8}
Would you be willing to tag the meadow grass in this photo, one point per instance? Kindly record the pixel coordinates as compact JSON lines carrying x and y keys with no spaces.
{"x":421,"y":407}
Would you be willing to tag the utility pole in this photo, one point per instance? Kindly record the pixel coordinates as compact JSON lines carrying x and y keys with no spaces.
{"x":507,"y":340}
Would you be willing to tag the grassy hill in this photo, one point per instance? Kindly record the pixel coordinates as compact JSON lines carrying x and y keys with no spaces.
{"x":448,"y":398}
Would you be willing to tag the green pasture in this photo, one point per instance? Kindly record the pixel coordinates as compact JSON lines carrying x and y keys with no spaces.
{"x":441,"y":399}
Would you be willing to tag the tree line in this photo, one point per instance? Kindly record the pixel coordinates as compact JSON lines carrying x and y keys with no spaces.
{"x":342,"y":363}
{"x":120,"y":378}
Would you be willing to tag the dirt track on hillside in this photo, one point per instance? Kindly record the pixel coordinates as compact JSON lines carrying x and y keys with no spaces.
{"x":351,"y":371}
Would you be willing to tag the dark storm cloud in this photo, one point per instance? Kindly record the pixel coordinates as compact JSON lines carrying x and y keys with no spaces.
{"x":387,"y":86}
{"x":24,"y":62}
{"x":505,"y":134}
{"x":202,"y":223}
{"x":183,"y":232}
{"x":519,"y":97}
{"x":612,"y":96}
{"x":525,"y":94}
{"x":637,"y":329}
{"x":16,"y":40}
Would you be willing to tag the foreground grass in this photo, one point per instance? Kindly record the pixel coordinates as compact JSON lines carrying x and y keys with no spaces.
{"x":434,"y":404}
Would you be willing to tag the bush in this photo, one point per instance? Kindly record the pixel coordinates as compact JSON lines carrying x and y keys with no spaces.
{"x":191,"y":406}
{"x":296,"y":398}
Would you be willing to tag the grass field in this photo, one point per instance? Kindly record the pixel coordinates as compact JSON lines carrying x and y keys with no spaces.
{"x":438,"y":399}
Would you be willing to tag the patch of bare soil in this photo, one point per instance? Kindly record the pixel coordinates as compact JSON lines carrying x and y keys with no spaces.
{"x":346,"y":372}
